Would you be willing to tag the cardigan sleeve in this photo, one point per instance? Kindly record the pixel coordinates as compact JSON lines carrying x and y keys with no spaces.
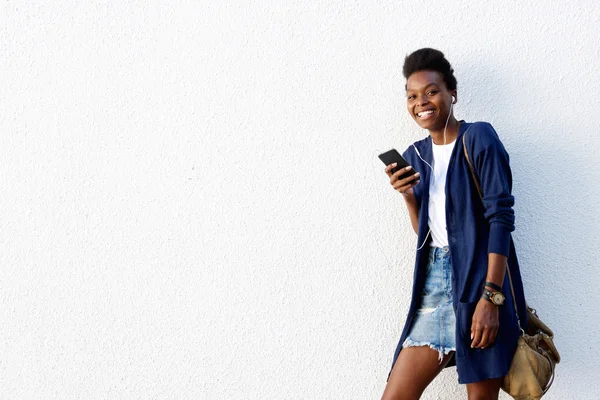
{"x":491,"y":162}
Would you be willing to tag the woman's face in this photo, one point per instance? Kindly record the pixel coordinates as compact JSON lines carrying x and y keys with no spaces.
{"x":428,"y":99}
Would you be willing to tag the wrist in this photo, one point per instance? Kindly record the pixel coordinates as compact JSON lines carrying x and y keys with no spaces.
{"x":490,"y":289}
{"x":493,"y":297}
{"x":488,"y":303}
{"x":493,"y":286}
{"x":409,"y":197}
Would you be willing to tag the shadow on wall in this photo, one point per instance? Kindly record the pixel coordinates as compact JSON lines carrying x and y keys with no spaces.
{"x":557,"y":217}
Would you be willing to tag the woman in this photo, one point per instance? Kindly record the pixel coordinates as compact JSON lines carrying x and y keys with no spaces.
{"x":457,"y":315}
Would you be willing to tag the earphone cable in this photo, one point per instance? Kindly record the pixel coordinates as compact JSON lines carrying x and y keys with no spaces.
{"x":432,"y":170}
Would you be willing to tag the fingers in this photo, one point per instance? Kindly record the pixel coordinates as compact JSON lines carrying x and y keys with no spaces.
{"x":483,"y":335}
{"x":397,"y":182}
{"x":388,"y":169}
{"x":401,"y":171}
{"x":493,"y":334}
{"x":484,"y":324}
{"x":402,"y":185}
{"x":476,"y":333}
{"x":396,"y":176}
{"x":487,"y":337}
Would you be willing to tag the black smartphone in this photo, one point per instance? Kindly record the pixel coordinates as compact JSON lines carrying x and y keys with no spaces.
{"x":392,"y":156}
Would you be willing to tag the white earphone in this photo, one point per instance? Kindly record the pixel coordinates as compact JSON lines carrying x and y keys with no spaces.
{"x":430,"y":166}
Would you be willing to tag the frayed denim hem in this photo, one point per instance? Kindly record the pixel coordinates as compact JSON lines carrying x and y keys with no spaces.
{"x":441,"y":350}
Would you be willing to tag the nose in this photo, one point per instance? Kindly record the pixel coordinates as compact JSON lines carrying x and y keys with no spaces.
{"x":422,"y":99}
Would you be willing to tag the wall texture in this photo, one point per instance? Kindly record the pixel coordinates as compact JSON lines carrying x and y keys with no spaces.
{"x":193,"y":207}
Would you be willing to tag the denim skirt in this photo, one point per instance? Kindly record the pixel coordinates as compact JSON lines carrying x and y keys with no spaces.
{"x":435,"y":323}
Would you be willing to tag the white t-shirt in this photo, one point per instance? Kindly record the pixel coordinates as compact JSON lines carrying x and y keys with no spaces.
{"x":437,"y":194}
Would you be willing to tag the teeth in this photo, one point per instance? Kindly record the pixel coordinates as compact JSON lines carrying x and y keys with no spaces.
{"x":425,"y":113}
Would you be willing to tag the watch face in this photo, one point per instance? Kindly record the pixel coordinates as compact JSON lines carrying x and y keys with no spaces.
{"x":498,"y":298}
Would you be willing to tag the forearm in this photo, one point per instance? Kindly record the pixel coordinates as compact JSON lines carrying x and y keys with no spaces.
{"x":413,"y":211}
{"x":496,"y":268}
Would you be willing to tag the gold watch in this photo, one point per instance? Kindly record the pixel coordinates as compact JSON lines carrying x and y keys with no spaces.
{"x":496,"y":298}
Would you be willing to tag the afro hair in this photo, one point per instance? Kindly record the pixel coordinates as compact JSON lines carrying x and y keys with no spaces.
{"x":431,"y":60}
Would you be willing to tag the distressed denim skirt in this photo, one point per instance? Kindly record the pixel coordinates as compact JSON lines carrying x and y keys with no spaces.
{"x":435,"y":323}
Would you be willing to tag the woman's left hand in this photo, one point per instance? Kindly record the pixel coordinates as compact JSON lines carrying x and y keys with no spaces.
{"x":484,"y":327}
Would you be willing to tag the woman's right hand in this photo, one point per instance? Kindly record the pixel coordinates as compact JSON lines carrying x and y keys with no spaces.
{"x":404,"y":186}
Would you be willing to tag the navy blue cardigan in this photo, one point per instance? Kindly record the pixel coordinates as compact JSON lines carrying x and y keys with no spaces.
{"x":475,"y":228}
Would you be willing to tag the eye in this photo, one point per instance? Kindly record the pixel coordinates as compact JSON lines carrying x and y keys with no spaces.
{"x":411,"y":97}
{"x":433,"y":92}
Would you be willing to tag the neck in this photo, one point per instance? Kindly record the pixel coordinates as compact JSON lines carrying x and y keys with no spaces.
{"x":437,"y":135}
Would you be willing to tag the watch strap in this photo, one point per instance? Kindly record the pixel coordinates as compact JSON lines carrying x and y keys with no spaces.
{"x":488,"y":296}
{"x":493,"y":286}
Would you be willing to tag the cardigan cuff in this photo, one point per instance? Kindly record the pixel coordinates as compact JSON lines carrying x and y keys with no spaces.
{"x":499,"y":241}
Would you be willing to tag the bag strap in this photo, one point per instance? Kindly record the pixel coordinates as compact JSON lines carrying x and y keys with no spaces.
{"x":512,"y":289}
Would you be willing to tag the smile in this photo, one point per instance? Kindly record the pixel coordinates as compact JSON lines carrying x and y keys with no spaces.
{"x":425,"y":114}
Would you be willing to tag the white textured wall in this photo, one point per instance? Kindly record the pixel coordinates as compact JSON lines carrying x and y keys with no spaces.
{"x":193,"y":207}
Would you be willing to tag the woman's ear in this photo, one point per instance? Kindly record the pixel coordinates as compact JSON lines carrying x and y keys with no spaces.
{"x":454,"y":97}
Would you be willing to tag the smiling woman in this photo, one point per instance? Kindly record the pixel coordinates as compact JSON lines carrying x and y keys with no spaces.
{"x":456,"y":316}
